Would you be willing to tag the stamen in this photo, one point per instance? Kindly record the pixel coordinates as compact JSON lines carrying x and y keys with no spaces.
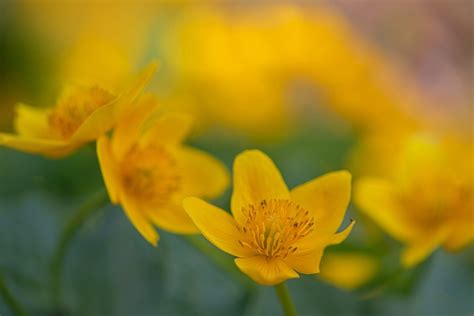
{"x":272,"y":227}
{"x":75,"y":106}
{"x":150,"y":174}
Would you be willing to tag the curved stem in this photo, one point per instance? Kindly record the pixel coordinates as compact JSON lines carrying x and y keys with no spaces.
{"x":285,"y":300}
{"x":84,"y":212}
{"x":9,"y":299}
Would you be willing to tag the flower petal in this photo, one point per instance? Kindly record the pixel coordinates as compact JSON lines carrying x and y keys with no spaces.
{"x":256,"y":178}
{"x":317,"y":240}
{"x":307,"y":257}
{"x":340,"y":237}
{"x":32,"y":121}
{"x":377,"y":199}
{"x":266,"y":271}
{"x":108,"y":168}
{"x":202,"y":174}
{"x":461,"y":233}
{"x":46,"y":147}
{"x":306,"y":263}
{"x":167,"y":129}
{"x":461,"y":236}
{"x":128,"y":129}
{"x":172,"y":218}
{"x":99,"y":122}
{"x":422,"y":248}
{"x":348,"y":270}
{"x":136,"y":215}
{"x":327,"y":197}
{"x":126,"y":106}
{"x":216,"y":225}
{"x":103,"y":119}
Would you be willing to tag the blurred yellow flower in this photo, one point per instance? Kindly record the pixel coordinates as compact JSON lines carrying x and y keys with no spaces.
{"x":82,"y":114}
{"x":348,"y":270}
{"x":427,"y":199}
{"x":148,"y":171}
{"x":252,"y":70}
{"x":274,"y":232}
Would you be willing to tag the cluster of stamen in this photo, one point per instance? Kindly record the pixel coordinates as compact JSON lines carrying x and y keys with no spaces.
{"x":150,"y":174}
{"x":76,"y":104}
{"x":273,"y":227}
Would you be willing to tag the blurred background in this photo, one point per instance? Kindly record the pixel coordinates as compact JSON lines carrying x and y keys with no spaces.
{"x":310,"y":84}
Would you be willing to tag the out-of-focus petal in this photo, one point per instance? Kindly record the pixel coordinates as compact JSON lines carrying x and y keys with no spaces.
{"x":173,"y":218}
{"x":421,"y":248}
{"x":137,"y":216}
{"x":167,"y":129}
{"x":103,"y":119}
{"x":348,"y":270}
{"x":127,"y":130}
{"x":202,"y":174}
{"x":31,"y":121}
{"x":377,"y":199}
{"x":45,"y":147}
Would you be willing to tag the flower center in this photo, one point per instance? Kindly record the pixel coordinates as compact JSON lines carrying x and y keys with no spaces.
{"x":75,"y":105}
{"x":272,"y":227}
{"x":150,"y":174}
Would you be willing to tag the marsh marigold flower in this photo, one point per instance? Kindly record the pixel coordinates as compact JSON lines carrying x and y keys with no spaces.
{"x":427,"y":201}
{"x":274,"y":232}
{"x":81,"y":114}
{"x":148,"y":171}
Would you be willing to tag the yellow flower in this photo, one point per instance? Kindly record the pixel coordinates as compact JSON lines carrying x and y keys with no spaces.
{"x":82,"y":114}
{"x":148,"y":171}
{"x":348,"y":270}
{"x":427,"y":201}
{"x":274,"y":232}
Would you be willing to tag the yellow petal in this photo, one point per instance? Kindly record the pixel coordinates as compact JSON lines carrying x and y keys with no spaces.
{"x":137,"y":216}
{"x":317,"y":240}
{"x":108,"y":168}
{"x":102,"y":119}
{"x":216,"y":225}
{"x":126,"y":106}
{"x":461,"y":232}
{"x":306,"y":263}
{"x":340,"y":237}
{"x":348,"y":270}
{"x":327,"y":197}
{"x":46,"y":147}
{"x":256,"y":178}
{"x":461,"y":236}
{"x":266,"y":271}
{"x":202,"y":174}
{"x":172,"y":218}
{"x":99,"y":122}
{"x":32,"y":121}
{"x":167,"y":129}
{"x":377,"y":199}
{"x":127,"y":130}
{"x":423,"y":247}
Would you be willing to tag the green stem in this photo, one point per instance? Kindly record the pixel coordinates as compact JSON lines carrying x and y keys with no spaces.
{"x":285,"y":300}
{"x":9,"y":299}
{"x":224,"y":263}
{"x":79,"y":217}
